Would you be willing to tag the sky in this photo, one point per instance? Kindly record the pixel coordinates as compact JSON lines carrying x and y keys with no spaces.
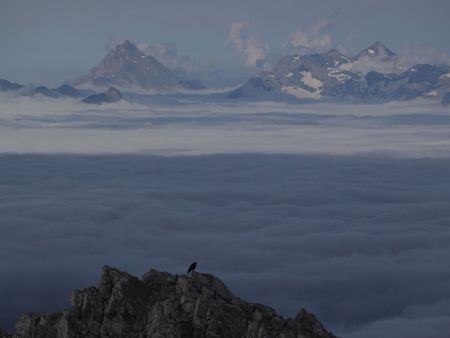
{"x":51,"y":41}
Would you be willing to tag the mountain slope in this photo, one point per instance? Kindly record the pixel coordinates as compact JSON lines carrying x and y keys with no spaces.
{"x":165,"y":305}
{"x":127,"y":67}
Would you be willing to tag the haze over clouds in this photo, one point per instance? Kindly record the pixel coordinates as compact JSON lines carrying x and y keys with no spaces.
{"x":407,"y":129}
{"x":315,"y":38}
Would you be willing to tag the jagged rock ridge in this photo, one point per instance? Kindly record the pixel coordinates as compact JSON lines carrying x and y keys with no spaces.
{"x":165,"y":305}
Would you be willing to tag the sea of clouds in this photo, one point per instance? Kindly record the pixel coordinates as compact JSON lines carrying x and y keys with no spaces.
{"x":341,"y":209}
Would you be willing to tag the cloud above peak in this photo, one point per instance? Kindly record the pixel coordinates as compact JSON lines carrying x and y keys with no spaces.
{"x":413,"y":53}
{"x":254,"y":51}
{"x":315,"y":38}
{"x":169,"y":55}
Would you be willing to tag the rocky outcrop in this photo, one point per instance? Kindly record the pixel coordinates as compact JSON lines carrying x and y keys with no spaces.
{"x":164,"y":305}
{"x":110,"y":96}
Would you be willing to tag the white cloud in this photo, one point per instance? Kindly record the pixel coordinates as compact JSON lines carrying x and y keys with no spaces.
{"x":30,"y":125}
{"x":250,"y":46}
{"x":412,"y":54}
{"x":168,"y":55}
{"x":316,"y":38}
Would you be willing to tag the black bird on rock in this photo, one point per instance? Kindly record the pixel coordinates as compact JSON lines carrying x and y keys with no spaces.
{"x":192,"y":267}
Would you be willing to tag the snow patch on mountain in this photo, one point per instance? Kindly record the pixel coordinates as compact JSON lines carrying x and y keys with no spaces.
{"x":338,"y":74}
{"x":301,"y":93}
{"x":310,"y":81}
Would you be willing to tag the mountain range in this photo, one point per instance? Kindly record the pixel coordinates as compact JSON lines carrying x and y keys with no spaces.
{"x":374,"y":74}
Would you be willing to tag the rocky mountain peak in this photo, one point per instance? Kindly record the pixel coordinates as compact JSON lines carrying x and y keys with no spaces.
{"x":164,"y":305}
{"x":126,"y":66}
{"x":126,"y":50}
{"x":127,"y":45}
{"x":375,"y":50}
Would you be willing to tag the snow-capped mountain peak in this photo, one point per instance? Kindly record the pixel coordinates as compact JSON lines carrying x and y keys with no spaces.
{"x":377,"y":57}
{"x":377,"y":50}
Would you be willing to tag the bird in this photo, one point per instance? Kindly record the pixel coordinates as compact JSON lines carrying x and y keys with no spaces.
{"x":192,"y":267}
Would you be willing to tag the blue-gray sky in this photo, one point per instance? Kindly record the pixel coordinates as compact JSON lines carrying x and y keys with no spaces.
{"x":49,"y":41}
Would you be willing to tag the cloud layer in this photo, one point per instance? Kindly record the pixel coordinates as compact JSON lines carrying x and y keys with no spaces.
{"x":360,"y":239}
{"x":362,"y":242}
{"x":183,"y":125}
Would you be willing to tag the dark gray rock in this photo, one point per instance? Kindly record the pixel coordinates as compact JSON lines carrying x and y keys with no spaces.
{"x":6,"y":85}
{"x":446,"y":99}
{"x":4,"y":334}
{"x":110,"y":96}
{"x":164,"y":305}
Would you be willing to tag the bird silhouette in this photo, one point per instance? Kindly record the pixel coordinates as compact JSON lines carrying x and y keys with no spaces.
{"x":192,"y":267}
